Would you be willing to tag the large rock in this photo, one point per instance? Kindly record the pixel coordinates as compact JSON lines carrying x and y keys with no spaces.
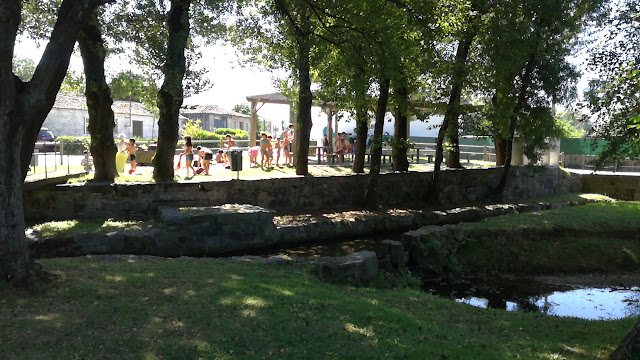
{"x":362,"y":265}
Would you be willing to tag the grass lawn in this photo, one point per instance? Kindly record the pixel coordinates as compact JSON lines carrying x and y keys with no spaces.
{"x":590,"y":238}
{"x":211,"y":309}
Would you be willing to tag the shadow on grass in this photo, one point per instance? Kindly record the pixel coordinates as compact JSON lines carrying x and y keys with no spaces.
{"x":212,"y":309}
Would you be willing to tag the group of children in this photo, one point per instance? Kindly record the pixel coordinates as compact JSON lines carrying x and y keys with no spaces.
{"x":205,"y":156}
{"x":267,"y":150}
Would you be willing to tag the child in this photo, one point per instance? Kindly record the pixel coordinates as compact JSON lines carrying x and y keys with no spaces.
{"x":220,"y":158}
{"x":278,"y":149}
{"x":253,"y":155}
{"x":188,"y":155}
{"x":325,"y":146}
{"x":270,"y":153}
{"x":265,"y":147}
{"x":205,"y":155}
{"x":286,"y":147}
{"x":131,"y":149}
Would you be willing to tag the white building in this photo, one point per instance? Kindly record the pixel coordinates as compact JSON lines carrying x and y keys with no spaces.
{"x":70,"y":117}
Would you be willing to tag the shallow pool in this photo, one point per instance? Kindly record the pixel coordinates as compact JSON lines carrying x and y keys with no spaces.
{"x":592,"y":303}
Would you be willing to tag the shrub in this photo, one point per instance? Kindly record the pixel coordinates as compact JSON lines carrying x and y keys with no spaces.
{"x":193,"y":129}
{"x":74,"y":145}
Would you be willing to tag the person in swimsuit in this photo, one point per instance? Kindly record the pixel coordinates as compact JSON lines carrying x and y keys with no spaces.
{"x":188,"y":155}
{"x":286,"y":147}
{"x":265,"y":147}
{"x":229,"y":145}
{"x":205,"y":155}
{"x":131,"y":149}
{"x":278,"y":150}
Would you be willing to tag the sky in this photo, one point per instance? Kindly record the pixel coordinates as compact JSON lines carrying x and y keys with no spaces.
{"x":233,"y":82}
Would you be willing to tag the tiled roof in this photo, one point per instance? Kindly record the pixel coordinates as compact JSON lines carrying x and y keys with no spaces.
{"x":209,"y":109}
{"x":122,"y":107}
{"x":80,"y":103}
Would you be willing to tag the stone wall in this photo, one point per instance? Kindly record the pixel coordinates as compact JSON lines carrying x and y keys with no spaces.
{"x":616,"y":186}
{"x":290,"y":195}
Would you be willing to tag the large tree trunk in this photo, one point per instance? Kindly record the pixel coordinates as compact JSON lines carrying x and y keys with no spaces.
{"x":399,"y":153}
{"x":23,"y":109}
{"x":522,"y":99}
{"x":629,"y":347}
{"x":452,"y":113}
{"x":171,"y":93}
{"x":371,"y":194}
{"x":99,"y":102}
{"x":500,"y":146}
{"x":362,"y":120}
{"x":453,"y":140}
{"x":305,"y":99}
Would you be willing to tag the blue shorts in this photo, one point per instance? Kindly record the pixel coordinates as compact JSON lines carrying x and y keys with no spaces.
{"x":189,"y":157}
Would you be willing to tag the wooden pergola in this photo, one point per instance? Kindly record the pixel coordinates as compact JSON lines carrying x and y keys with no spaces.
{"x":257,"y":101}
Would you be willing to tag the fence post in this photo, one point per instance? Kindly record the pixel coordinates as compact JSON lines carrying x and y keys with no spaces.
{"x":61,"y":152}
{"x":484,"y":155}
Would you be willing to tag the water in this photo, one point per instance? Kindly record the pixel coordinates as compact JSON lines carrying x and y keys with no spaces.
{"x":520,"y":294}
{"x":592,"y":303}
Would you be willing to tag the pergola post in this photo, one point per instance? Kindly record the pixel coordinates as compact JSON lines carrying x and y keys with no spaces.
{"x":330,"y":129}
{"x":296,"y":132}
{"x":254,"y":124}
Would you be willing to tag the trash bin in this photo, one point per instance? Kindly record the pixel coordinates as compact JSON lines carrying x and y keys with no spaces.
{"x":235,"y":156}
{"x":121,"y":161}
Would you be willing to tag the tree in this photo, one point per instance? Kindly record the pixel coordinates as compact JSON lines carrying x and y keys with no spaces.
{"x":99,"y":101}
{"x":23,"y":108}
{"x":171,"y":93}
{"x":613,"y":98}
{"x":242,"y":109}
{"x":126,"y":86}
{"x":525,"y":46}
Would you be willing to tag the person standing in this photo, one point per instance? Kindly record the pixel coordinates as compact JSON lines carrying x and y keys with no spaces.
{"x":131,"y":149}
{"x":325,"y":146}
{"x":278,"y":150}
{"x":265,"y":148}
{"x":230,"y":145}
{"x":290,"y":135}
{"x":188,"y":155}
{"x":122,"y":145}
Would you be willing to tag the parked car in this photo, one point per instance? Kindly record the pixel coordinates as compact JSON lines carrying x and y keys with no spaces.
{"x":44,"y":137}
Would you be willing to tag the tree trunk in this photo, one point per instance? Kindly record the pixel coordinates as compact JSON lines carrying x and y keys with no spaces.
{"x":522,"y":98}
{"x":399,"y":153}
{"x":371,"y":194}
{"x":362,"y":120}
{"x":629,"y":347}
{"x":305,"y":99}
{"x":99,"y":102}
{"x":23,"y":109}
{"x":171,"y":93}
{"x":453,"y":140}
{"x":500,"y":146}
{"x":450,"y":125}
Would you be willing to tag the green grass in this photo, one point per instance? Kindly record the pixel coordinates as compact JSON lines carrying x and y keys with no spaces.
{"x":599,"y":237}
{"x":61,"y":228}
{"x":128,"y":309}
{"x":596,"y":217}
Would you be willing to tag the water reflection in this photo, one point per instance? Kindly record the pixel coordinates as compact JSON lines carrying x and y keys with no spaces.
{"x":584,"y":303}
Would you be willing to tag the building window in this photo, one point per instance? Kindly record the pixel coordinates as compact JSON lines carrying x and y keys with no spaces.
{"x":220,"y":124}
{"x":86,"y":126}
{"x":137,"y":129}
